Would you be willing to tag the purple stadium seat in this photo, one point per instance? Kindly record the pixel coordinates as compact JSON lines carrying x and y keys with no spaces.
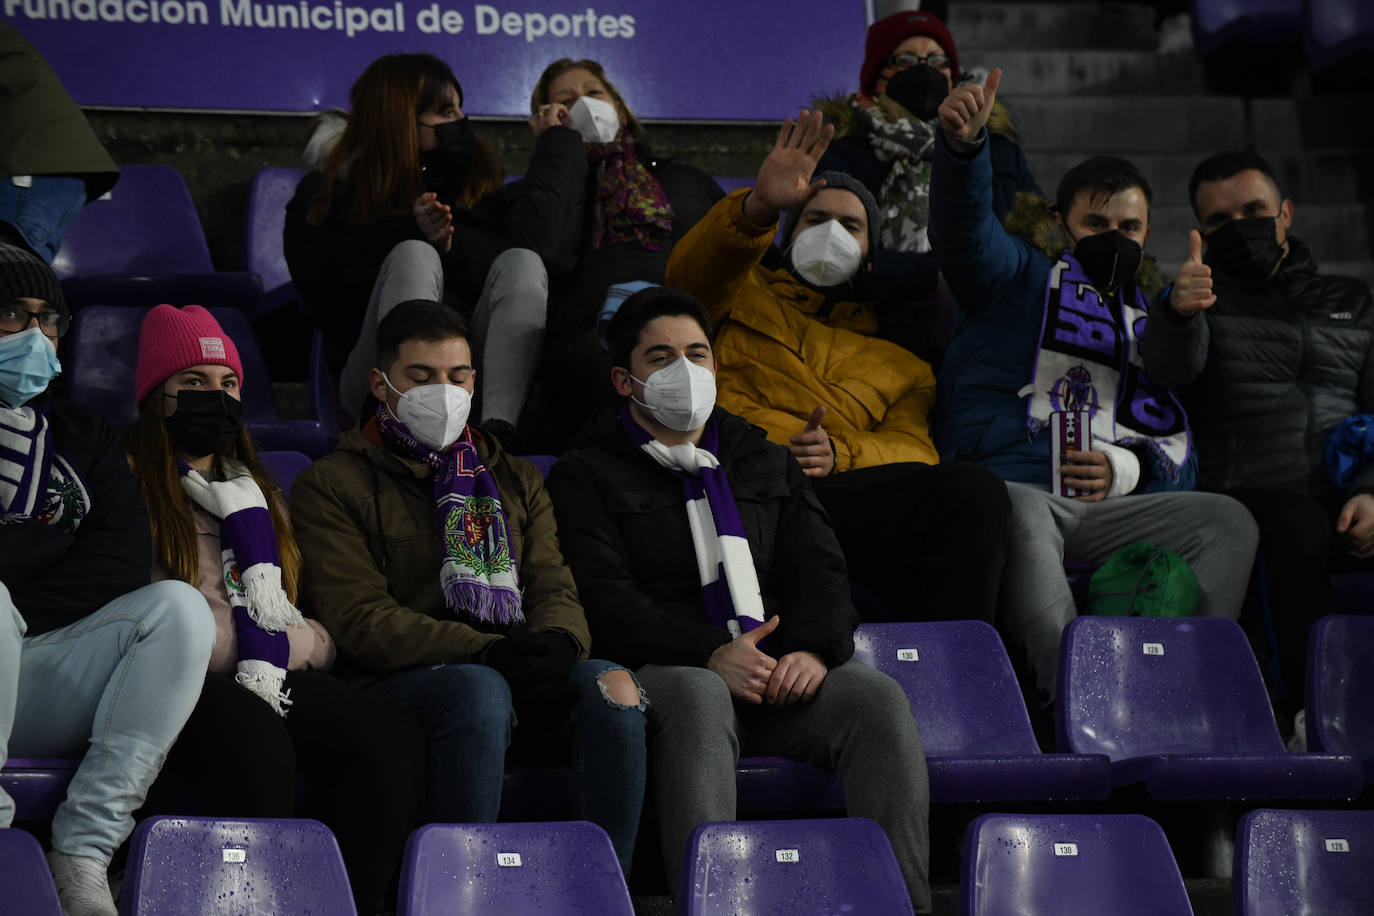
{"x":840,"y":865}
{"x":1246,"y":22}
{"x":555,"y":868}
{"x":1304,"y":862}
{"x":1178,"y":704}
{"x":99,"y":356}
{"x":142,"y":244}
{"x":181,"y":865}
{"x":1340,"y":688}
{"x":26,"y":887}
{"x":284,"y":466}
{"x":37,"y":785}
{"x":264,"y":224}
{"x":1069,"y":864}
{"x":1337,"y":30}
{"x":324,"y":390}
{"x":974,"y":727}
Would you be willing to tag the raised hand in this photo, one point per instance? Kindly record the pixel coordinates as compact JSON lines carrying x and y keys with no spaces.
{"x":1192,"y":290}
{"x":743,"y":666}
{"x":784,"y":179}
{"x":549,"y":115}
{"x":435,"y":220}
{"x":811,"y":447}
{"x":965,"y":110}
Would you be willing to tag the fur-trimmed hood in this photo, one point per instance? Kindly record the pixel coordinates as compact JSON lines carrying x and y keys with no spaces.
{"x":842,"y":111}
{"x":325,"y":132}
{"x":1032,"y":216}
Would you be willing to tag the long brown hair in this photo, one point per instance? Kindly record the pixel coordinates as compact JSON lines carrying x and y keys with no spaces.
{"x":553,"y":71}
{"x":376,"y":162}
{"x":169,"y":508}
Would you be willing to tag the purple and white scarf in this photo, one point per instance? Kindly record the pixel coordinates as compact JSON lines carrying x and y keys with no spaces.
{"x":252,"y":577}
{"x":729,"y":582}
{"x":1089,"y":359}
{"x":478,"y":576}
{"x":37,"y":483}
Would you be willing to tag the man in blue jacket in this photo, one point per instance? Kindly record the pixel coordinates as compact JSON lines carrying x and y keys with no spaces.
{"x":1051,"y":321}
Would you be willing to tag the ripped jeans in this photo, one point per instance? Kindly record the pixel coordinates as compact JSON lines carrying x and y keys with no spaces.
{"x":467,"y":715}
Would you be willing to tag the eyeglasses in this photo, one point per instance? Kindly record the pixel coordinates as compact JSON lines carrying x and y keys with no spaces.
{"x":14,"y":319}
{"x":906,"y":60}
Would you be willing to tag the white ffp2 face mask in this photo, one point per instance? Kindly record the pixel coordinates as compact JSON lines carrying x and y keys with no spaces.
{"x":826,"y":255}
{"x":680,"y":396}
{"x":595,"y":120}
{"x":434,"y":414}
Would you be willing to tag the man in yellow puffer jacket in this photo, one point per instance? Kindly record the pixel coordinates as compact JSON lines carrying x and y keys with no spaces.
{"x":798,"y":355}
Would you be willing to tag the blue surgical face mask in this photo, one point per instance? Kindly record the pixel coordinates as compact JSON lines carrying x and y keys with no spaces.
{"x":28,"y":363}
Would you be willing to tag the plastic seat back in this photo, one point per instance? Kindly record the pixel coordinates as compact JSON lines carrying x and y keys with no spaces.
{"x":1130,"y":687}
{"x":284,"y":465}
{"x":147,"y":224}
{"x":564,"y":867}
{"x":211,"y":867}
{"x":1069,"y":864}
{"x":1340,"y":687}
{"x":264,"y":223}
{"x":26,"y":887}
{"x":839,"y":865}
{"x":1304,"y":863}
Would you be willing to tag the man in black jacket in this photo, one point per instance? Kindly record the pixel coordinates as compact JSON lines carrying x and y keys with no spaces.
{"x":94,"y":661}
{"x":1269,"y":358}
{"x":705,"y":562}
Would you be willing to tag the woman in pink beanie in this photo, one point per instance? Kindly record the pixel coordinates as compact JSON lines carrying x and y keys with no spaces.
{"x":267,"y":708}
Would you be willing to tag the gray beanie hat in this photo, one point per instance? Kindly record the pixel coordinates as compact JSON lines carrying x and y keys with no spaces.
{"x":24,"y":275}
{"x":844,"y":182}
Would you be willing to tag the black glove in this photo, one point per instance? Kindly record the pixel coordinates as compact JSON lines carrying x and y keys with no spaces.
{"x":561,"y":651}
{"x":521,"y":656}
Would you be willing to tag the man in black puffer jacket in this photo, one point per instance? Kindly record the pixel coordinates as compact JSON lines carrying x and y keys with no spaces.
{"x":1269,"y":357}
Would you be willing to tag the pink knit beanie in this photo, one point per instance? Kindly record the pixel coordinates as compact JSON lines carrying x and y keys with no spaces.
{"x":173,"y":340}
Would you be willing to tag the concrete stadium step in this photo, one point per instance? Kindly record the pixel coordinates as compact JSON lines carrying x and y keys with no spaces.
{"x":1316,"y":123}
{"x":1129,"y":125}
{"x":1088,"y":72}
{"x":1310,"y":178}
{"x":1052,"y":25}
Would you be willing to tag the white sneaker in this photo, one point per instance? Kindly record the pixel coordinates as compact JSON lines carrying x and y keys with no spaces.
{"x":1298,"y":743}
{"x":83,"y":885}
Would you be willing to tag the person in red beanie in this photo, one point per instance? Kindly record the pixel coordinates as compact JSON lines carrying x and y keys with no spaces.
{"x":884,"y":137}
{"x":267,"y":707}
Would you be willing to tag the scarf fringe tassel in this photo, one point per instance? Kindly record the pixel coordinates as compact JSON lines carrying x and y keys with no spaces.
{"x":265,"y":680}
{"x":491,"y":605}
{"x":267,"y":603}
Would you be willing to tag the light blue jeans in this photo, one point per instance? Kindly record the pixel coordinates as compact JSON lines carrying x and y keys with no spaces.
{"x":114,"y":688}
{"x":468,"y":718}
{"x":42,"y":208}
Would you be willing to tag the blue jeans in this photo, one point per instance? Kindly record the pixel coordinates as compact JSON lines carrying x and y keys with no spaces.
{"x":116,"y":687}
{"x":43,"y":211}
{"x":467,"y":715}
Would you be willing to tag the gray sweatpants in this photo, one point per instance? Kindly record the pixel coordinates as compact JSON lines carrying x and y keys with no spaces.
{"x":507,"y":325}
{"x":859,"y":724}
{"x":1214,"y":533}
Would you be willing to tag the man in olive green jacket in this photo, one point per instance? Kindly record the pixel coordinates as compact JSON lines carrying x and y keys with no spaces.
{"x":432,"y":558}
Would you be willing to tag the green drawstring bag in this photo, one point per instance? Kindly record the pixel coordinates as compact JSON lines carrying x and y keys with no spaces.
{"x":1142,"y":580}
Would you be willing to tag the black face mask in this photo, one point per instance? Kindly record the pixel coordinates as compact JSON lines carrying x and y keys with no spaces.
{"x":206,"y":422}
{"x":1246,"y":250}
{"x":442,"y":168}
{"x":919,"y":89}
{"x":1110,"y":259}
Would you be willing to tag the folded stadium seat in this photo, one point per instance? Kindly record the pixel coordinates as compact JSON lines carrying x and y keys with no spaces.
{"x":142,"y":244}
{"x":1340,"y":688}
{"x":555,"y":868}
{"x":182,"y":865}
{"x":1068,"y":864}
{"x":37,"y":785}
{"x":839,"y":865}
{"x":1290,"y":862}
{"x":1337,"y":31}
{"x":26,"y":887}
{"x":284,"y":466}
{"x":324,"y":390}
{"x":1248,"y":22}
{"x":264,"y":224}
{"x":1178,"y":705}
{"x":99,"y":358}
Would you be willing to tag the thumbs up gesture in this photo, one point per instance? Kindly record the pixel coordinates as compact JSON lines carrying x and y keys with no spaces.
{"x":743,"y":666}
{"x":811,"y":447}
{"x":1193,"y":286}
{"x":965,"y":110}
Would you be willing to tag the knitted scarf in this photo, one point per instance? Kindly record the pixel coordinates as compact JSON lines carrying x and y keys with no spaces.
{"x":37,"y":483}
{"x":904,"y":198}
{"x":630,"y":204}
{"x":1089,"y":359}
{"x":478,"y":576}
{"x":252,"y":577}
{"x":729,"y":582}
